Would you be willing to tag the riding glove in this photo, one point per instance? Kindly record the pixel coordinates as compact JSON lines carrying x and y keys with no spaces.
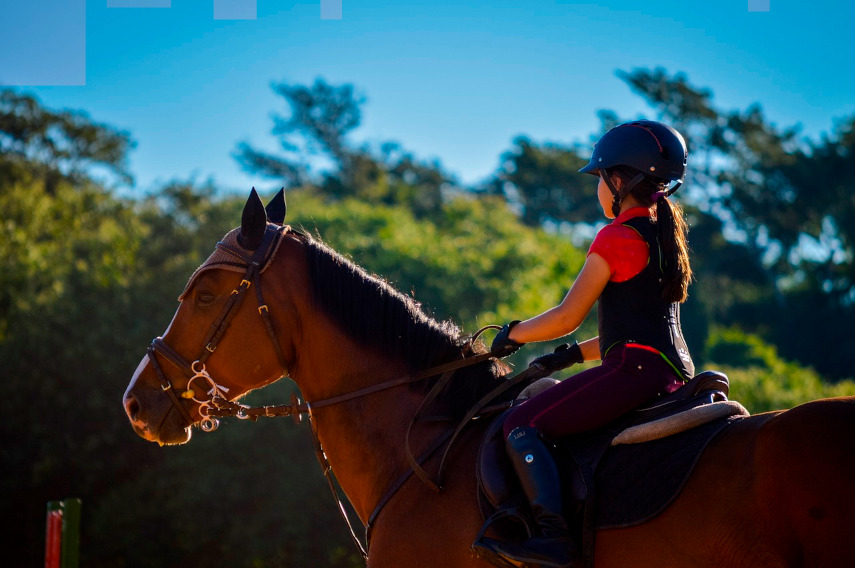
{"x":502,"y":344}
{"x":563,"y":356}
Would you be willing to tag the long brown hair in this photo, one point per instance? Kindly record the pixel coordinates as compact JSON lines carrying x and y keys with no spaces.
{"x":672,"y":231}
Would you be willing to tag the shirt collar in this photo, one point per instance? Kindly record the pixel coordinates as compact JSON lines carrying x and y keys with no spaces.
{"x":632,"y":213}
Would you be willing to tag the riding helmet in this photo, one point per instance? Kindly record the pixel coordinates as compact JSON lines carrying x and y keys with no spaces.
{"x":654,"y":149}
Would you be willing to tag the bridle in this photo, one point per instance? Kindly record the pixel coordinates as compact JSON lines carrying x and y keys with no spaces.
{"x":196,"y":371}
{"x":217,"y":404}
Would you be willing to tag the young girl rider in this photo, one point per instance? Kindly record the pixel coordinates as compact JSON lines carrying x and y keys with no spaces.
{"x":638,"y":270}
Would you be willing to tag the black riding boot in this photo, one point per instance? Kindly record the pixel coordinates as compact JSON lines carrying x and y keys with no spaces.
{"x":551,"y":544}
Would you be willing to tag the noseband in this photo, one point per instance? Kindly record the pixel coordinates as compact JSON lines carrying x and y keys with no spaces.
{"x":195,"y":371}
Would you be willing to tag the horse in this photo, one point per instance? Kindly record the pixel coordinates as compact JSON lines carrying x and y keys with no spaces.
{"x":771,"y":490}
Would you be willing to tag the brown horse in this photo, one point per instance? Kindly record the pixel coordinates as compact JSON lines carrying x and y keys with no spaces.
{"x":775,"y":489}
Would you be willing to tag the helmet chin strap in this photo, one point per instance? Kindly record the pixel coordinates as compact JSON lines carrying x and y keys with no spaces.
{"x":619,"y":195}
{"x":674,"y":189}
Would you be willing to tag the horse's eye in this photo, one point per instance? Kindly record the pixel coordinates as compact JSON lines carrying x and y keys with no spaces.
{"x":205,"y":299}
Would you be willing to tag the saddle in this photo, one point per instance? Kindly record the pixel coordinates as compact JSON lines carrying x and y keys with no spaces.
{"x":580,"y":457}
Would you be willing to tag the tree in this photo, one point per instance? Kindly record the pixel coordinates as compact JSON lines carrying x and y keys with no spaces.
{"x":321,"y":116}
{"x":54,"y":146}
{"x":321,"y":119}
{"x":543,"y":181}
{"x":67,"y":257}
{"x":475,"y":264}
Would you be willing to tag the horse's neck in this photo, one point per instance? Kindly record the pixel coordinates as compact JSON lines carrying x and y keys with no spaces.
{"x":363,"y":438}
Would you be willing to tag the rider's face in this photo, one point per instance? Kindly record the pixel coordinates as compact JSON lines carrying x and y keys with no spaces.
{"x":604,"y":194}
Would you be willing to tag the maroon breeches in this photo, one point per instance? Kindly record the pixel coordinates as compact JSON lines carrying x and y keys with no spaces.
{"x":627,"y":378}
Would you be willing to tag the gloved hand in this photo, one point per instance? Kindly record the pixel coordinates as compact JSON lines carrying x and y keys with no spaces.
{"x":563,"y":356}
{"x":502,"y":344}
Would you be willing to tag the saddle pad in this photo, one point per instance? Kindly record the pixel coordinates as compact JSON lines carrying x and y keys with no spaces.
{"x":680,"y":422}
{"x":636,"y":482}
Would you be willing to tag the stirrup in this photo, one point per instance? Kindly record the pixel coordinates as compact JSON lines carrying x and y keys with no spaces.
{"x":484,"y":547}
{"x":506,"y":513}
{"x":512,"y":554}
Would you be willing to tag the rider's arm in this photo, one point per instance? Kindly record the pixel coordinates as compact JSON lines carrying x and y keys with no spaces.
{"x":591,"y":349}
{"x":567,"y":316}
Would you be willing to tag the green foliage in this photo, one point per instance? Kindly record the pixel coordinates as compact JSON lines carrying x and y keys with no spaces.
{"x":476,"y":264}
{"x":323,"y":114}
{"x":252,"y":495}
{"x":55,"y":145}
{"x":67,"y":259}
{"x":544,"y":180}
{"x":394,"y":178}
{"x":760,"y":379}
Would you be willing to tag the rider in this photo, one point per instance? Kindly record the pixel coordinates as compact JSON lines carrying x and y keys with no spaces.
{"x":638,"y":270}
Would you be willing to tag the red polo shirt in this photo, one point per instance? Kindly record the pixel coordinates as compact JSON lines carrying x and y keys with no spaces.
{"x":622,"y":247}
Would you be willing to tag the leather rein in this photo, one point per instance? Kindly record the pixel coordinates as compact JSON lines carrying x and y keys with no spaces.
{"x":217,"y":405}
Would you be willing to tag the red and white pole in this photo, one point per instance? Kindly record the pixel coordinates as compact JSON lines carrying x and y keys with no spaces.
{"x":53,"y":536}
{"x":62,"y":534}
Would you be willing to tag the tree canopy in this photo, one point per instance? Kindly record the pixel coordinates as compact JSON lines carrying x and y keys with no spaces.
{"x":55,"y":145}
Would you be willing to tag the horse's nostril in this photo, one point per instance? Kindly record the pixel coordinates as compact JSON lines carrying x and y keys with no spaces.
{"x":132,"y":407}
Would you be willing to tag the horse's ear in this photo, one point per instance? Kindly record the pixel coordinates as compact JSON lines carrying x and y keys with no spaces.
{"x":276,"y":208}
{"x":253,"y":222}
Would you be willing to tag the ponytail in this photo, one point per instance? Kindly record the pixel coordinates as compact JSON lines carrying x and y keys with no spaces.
{"x":672,"y":232}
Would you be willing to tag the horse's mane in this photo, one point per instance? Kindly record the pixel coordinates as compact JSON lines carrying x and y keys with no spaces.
{"x":378,"y":316}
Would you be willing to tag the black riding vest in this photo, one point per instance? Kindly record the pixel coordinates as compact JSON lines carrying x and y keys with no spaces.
{"x":634,"y":311}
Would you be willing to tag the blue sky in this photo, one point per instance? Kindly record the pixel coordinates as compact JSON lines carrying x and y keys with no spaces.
{"x":449,"y":81}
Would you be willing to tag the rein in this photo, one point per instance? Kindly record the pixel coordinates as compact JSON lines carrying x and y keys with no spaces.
{"x":217,"y":405}
{"x":222,"y":407}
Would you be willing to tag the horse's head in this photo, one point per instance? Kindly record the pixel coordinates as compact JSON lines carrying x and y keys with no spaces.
{"x":221,"y":319}
{"x":351,"y":330}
